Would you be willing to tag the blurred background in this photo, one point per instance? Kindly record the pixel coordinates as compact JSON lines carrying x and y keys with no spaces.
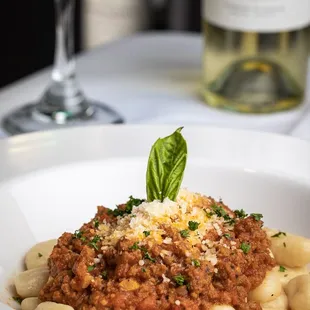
{"x":244,"y":71}
{"x":27,"y":28}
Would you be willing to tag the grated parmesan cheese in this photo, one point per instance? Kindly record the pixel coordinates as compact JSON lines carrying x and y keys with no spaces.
{"x":154,"y":216}
{"x":188,"y":254}
{"x":165,"y":279}
{"x":167,"y":240}
{"x":217,"y":228}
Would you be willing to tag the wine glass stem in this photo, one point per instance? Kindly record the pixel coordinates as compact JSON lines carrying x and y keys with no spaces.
{"x":63,"y":93}
{"x":64,"y":61}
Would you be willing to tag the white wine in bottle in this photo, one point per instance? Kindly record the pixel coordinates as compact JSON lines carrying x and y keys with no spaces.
{"x":255,"y":54}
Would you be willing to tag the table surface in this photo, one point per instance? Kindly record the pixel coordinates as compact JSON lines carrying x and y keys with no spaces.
{"x":154,"y":78}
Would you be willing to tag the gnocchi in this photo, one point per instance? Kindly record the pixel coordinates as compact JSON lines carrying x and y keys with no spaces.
{"x":38,"y":255}
{"x":289,"y":250}
{"x":52,"y":306}
{"x":288,"y":274}
{"x":280,"y":303}
{"x":30,"y":282}
{"x":298,"y":293}
{"x":269,"y":290}
{"x":30,"y":303}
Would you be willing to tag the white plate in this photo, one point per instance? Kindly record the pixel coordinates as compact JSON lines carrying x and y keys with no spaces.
{"x":44,"y":177}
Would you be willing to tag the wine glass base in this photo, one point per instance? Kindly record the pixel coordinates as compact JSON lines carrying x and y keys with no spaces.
{"x":29,"y":119}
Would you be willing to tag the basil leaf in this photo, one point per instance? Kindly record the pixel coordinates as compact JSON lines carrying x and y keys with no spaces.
{"x":166,"y":167}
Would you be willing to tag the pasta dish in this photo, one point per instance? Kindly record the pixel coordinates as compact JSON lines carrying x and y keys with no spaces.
{"x":174,"y":250}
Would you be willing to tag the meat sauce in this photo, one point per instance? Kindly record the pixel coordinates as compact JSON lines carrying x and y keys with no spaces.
{"x":145,"y":273}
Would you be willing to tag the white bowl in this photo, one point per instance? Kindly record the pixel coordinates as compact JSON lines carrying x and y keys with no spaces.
{"x":51,"y":182}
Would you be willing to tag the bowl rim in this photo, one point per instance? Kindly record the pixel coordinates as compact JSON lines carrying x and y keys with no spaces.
{"x":270,"y":152}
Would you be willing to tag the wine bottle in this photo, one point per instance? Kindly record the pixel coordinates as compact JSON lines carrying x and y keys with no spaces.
{"x":256,"y":54}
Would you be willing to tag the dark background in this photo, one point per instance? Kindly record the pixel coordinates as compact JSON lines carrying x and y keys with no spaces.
{"x":27,"y":31}
{"x":27,"y":34}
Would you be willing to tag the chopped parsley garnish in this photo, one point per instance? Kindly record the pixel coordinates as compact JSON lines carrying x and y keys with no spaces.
{"x":40,"y":255}
{"x":116,"y":212}
{"x":96,"y":223}
{"x":112,"y":212}
{"x":279,"y":234}
{"x":245,"y":247}
{"x":79,"y":235}
{"x":132,"y":202}
{"x":184,"y":233}
{"x":208,"y":214}
{"x":104,"y":275}
{"x":146,"y":233}
{"x":17,"y":299}
{"x":284,"y":244}
{"x":230,"y":221}
{"x":90,"y":268}
{"x":96,"y":239}
{"x":240,"y":213}
{"x":148,"y":256}
{"x":143,"y":270}
{"x":257,"y":216}
{"x":228,"y":218}
{"x":179,"y":280}
{"x":196,"y":263}
{"x":93,"y":242}
{"x":192,"y":225}
{"x":135,"y":246}
{"x":282,"y":269}
{"x":227,"y":236}
{"x":218,"y":210}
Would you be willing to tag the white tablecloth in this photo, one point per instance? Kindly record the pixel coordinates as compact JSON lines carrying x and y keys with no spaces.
{"x":154,"y":78}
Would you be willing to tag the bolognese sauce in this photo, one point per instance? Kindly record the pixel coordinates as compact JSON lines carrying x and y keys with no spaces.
{"x":192,"y":253}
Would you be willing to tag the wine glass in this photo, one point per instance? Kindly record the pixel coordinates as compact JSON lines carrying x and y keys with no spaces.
{"x":63,"y":104}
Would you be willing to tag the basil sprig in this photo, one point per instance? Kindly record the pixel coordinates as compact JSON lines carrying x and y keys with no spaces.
{"x":166,"y":167}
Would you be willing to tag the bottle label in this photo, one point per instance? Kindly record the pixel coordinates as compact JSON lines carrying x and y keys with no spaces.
{"x":258,"y":15}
